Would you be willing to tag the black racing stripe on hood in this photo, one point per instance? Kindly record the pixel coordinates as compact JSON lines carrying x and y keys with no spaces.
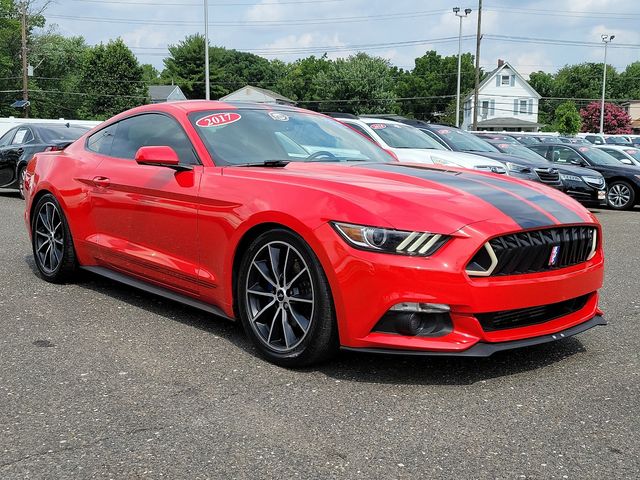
{"x":548,"y":204}
{"x":523,"y":214}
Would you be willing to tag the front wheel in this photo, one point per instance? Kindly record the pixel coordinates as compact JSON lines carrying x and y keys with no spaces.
{"x":621,"y":195}
{"x":284,"y":301}
{"x":22,"y":173}
{"x":51,"y":240}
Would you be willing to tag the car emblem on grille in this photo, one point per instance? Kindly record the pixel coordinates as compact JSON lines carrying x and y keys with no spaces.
{"x":553,"y":258}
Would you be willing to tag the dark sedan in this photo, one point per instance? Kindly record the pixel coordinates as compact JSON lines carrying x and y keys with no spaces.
{"x":583,"y":184}
{"x":18,"y":145}
{"x":623,"y":181}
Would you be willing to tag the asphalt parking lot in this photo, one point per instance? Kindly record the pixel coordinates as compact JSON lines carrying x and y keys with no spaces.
{"x":98,"y":380}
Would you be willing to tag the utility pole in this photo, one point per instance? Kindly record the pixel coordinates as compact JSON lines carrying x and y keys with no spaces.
{"x":207,"y":88}
{"x":25,"y":63}
{"x":477,"y":86}
{"x":456,"y":11}
{"x":605,"y":39}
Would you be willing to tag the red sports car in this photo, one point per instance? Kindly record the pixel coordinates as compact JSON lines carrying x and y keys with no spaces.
{"x":313,"y":237}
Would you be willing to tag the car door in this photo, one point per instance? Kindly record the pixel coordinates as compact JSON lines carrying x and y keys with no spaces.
{"x":6,"y":167}
{"x":150,"y":229}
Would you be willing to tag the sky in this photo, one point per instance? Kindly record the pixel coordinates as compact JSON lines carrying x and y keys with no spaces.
{"x":399,"y":30}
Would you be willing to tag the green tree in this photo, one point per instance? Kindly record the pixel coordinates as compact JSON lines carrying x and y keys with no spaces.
{"x":301,"y":79}
{"x":544,"y":84}
{"x":111,"y":80}
{"x":54,"y":87}
{"x":568,"y":120}
{"x":628,"y":85}
{"x":151,"y":75}
{"x":434,"y":77}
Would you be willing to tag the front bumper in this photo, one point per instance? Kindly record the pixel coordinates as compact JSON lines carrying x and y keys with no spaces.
{"x":585,"y":194}
{"x":483,"y":349}
{"x":365,"y":285}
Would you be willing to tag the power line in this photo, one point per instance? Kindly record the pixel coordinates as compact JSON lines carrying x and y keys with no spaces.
{"x":225,"y":4}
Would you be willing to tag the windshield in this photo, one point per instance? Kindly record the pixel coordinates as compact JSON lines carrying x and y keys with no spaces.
{"x":403,"y":136}
{"x":243,"y":136}
{"x":464,"y":142}
{"x":633,"y":152}
{"x":598,"y":157}
{"x":522,"y":152}
{"x":61,"y":132}
{"x":615,"y":140}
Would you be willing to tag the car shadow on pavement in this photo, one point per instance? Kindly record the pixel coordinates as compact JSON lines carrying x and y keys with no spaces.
{"x":348,"y":366}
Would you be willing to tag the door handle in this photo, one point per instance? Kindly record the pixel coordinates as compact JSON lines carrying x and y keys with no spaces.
{"x":102,"y":182}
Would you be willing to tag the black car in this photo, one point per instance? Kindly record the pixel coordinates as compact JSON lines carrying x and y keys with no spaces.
{"x":623,"y":181}
{"x":583,"y":184}
{"x":20,"y":143}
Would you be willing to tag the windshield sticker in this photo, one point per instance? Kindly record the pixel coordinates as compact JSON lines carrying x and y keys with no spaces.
{"x":218,"y":119}
{"x":444,"y":132}
{"x":504,"y":145}
{"x":377,"y":126}
{"x":631,"y":151}
{"x":584,"y":149}
{"x":281,"y":117}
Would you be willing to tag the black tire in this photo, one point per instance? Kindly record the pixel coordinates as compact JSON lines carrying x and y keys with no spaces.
{"x":20,"y":174}
{"x":50,"y":233}
{"x":621,"y":195}
{"x":299,"y":298}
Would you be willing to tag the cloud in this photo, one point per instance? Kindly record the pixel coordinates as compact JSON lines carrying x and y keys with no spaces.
{"x":266,"y":11}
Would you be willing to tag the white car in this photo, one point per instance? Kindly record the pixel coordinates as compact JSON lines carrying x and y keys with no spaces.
{"x":626,"y":155}
{"x":408,"y":144}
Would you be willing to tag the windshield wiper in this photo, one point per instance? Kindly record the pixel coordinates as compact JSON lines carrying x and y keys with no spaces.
{"x":266,"y":163}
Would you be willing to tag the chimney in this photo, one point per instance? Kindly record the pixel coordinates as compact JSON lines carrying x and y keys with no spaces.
{"x":500,"y":62}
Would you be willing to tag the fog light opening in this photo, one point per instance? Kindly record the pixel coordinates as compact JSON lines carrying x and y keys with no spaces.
{"x":416,"y":320}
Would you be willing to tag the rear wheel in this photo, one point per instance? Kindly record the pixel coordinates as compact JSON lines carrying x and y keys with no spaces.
{"x":284,"y":301}
{"x":621,"y":195}
{"x":22,"y":173}
{"x":53,"y":249}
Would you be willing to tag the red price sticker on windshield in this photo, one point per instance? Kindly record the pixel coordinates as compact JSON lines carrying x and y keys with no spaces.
{"x":443,"y":132}
{"x":218,"y":119}
{"x":583,"y":149}
{"x":378,"y":126}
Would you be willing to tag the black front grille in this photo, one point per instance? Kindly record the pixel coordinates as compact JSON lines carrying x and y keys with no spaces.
{"x":548,"y":175}
{"x":530,"y":316}
{"x":536,"y":251}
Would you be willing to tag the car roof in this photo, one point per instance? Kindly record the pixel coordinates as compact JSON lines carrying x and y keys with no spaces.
{"x":370,"y":120}
{"x":200,"y":105}
{"x":616,"y":147}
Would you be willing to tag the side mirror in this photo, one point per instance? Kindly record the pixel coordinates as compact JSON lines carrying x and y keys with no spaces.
{"x":626,"y":161}
{"x":160,"y":156}
{"x":576,"y":161}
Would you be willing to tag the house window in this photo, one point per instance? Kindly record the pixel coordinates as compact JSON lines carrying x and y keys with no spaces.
{"x":523,"y":106}
{"x":485,"y":108}
{"x":505,"y":80}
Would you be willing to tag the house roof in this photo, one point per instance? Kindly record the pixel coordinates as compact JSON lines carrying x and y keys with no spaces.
{"x":161,"y":92}
{"x":495,"y":72}
{"x":507,"y":122}
{"x":263,"y":91}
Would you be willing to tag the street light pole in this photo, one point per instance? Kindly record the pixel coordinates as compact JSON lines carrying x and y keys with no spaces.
{"x":207,"y":87}
{"x":456,"y":11}
{"x":605,"y":39}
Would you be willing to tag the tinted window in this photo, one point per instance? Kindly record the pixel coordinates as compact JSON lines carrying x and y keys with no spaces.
{"x":6,"y":138}
{"x":463,"y":141}
{"x":60,"y":132}
{"x":616,"y":154}
{"x":151,"y":129}
{"x":23,"y":135}
{"x":521,"y":151}
{"x":248,"y":136}
{"x":539,"y":149}
{"x":101,"y":141}
{"x":401,"y":136}
{"x":564,"y":155}
{"x":598,"y":157}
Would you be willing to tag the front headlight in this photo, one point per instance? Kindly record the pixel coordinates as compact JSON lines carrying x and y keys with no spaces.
{"x":443,"y":161}
{"x":390,"y":241}
{"x":490,"y":168}
{"x":514,"y":167}
{"x":595,"y":181}
{"x":573,"y":178}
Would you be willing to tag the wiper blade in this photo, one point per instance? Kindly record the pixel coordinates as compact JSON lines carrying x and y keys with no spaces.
{"x":266,"y":163}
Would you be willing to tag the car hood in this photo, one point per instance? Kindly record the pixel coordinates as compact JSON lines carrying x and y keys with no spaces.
{"x":466,"y":160}
{"x":415,"y":197}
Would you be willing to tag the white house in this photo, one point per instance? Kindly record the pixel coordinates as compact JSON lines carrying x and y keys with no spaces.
{"x":250,"y":93}
{"x":506,"y":102}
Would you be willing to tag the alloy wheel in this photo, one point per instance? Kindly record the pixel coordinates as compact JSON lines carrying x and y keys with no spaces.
{"x":21,"y":179}
{"x":619,"y":195}
{"x":279,"y":296}
{"x":49,"y":237}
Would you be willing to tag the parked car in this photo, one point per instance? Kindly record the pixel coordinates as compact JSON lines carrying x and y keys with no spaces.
{"x":598,"y":139}
{"x":202,"y":202}
{"x":584,"y":185}
{"x":623,"y":181}
{"x":408,"y":144}
{"x":497,"y":137}
{"x":21,"y":142}
{"x":460,"y":141}
{"x":626,"y":155}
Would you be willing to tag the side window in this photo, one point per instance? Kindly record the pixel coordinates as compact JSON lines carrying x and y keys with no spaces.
{"x":361,"y":130}
{"x":563,"y":154}
{"x":151,"y":129}
{"x":23,"y":135}
{"x":100,"y":142}
{"x":7,"y":137}
{"x":615,"y":153}
{"x":540,"y":151}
